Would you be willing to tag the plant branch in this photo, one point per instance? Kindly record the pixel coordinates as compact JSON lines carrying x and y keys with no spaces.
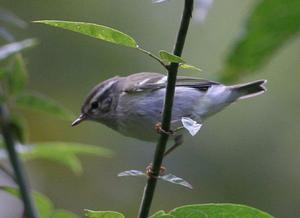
{"x":154,"y":57}
{"x":167,"y":112}
{"x":16,"y":163}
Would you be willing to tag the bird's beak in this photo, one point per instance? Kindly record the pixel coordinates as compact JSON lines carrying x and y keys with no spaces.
{"x":81,"y":118}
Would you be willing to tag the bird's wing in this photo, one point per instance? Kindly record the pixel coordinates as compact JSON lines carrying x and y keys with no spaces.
{"x":140,"y":82}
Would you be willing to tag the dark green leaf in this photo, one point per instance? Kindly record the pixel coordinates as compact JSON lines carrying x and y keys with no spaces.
{"x":15,"y":47}
{"x":94,"y":30}
{"x":64,"y":153}
{"x":166,"y":56}
{"x":63,"y":214}
{"x":214,"y":211}
{"x":270,"y":25}
{"x":44,"y":104}
{"x":18,"y":128}
{"x":17,"y":76}
{"x":102,"y":214}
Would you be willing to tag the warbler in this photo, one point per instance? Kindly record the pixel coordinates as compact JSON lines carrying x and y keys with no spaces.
{"x":133,"y":105}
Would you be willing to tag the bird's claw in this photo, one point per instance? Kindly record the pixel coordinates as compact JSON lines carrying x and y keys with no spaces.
{"x":150,"y":173}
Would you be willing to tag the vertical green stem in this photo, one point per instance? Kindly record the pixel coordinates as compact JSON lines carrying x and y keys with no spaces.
{"x":167,"y":112}
{"x":16,"y":163}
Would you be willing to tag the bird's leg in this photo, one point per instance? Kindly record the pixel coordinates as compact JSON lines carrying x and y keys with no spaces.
{"x":177,"y":138}
{"x":178,"y":141}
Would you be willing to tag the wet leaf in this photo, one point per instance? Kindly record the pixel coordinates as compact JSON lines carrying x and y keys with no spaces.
{"x":39,"y":102}
{"x":191,"y":125}
{"x":132,"y":173}
{"x":102,"y":214}
{"x":176,"y":180}
{"x":159,"y":1}
{"x":271,"y":24}
{"x":94,"y":30}
{"x":166,"y":56}
{"x":15,"y":47}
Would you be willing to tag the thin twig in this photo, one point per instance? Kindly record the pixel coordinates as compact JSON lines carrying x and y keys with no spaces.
{"x":167,"y":112}
{"x":155,"y":58}
{"x":16,"y":164}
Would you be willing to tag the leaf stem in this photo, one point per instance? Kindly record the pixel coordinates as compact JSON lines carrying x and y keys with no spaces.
{"x":154,"y":57}
{"x":16,"y":163}
{"x":167,"y":112}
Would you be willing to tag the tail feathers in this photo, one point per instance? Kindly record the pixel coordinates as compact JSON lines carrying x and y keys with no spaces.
{"x":249,"y":90}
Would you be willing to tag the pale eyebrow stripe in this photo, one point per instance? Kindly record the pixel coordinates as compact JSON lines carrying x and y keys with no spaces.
{"x":105,"y":88}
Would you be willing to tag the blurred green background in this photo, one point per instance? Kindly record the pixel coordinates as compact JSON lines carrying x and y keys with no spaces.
{"x":247,"y":154}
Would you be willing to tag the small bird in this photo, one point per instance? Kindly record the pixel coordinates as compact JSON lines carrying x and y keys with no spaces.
{"x":133,"y":105}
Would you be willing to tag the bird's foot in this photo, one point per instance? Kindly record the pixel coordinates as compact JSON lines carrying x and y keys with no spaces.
{"x":150,"y":173}
{"x":159,"y":130}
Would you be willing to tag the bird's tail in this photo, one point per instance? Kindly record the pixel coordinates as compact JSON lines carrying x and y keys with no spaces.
{"x":248,"y":90}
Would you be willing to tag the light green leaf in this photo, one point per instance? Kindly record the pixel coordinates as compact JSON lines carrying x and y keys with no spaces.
{"x":189,"y":67}
{"x":271,"y":24}
{"x":64,"y":153}
{"x":15,"y":47}
{"x":94,"y":30}
{"x":17,"y":76}
{"x":102,"y":214}
{"x":44,"y":104}
{"x":43,"y":204}
{"x":63,"y":214}
{"x":216,"y":211}
{"x":166,"y":56}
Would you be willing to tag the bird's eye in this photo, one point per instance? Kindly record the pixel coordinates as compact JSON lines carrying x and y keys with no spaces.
{"x":94,"y":105}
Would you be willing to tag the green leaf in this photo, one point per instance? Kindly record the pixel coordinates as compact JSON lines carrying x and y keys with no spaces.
{"x":102,"y":214}
{"x":63,"y":214}
{"x":189,"y":67}
{"x":44,"y":205}
{"x":64,"y":153}
{"x":271,"y":24}
{"x":166,"y":56}
{"x":44,"y":104}
{"x":94,"y":30}
{"x":214,"y":211}
{"x":17,"y":76}
{"x":15,"y":47}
